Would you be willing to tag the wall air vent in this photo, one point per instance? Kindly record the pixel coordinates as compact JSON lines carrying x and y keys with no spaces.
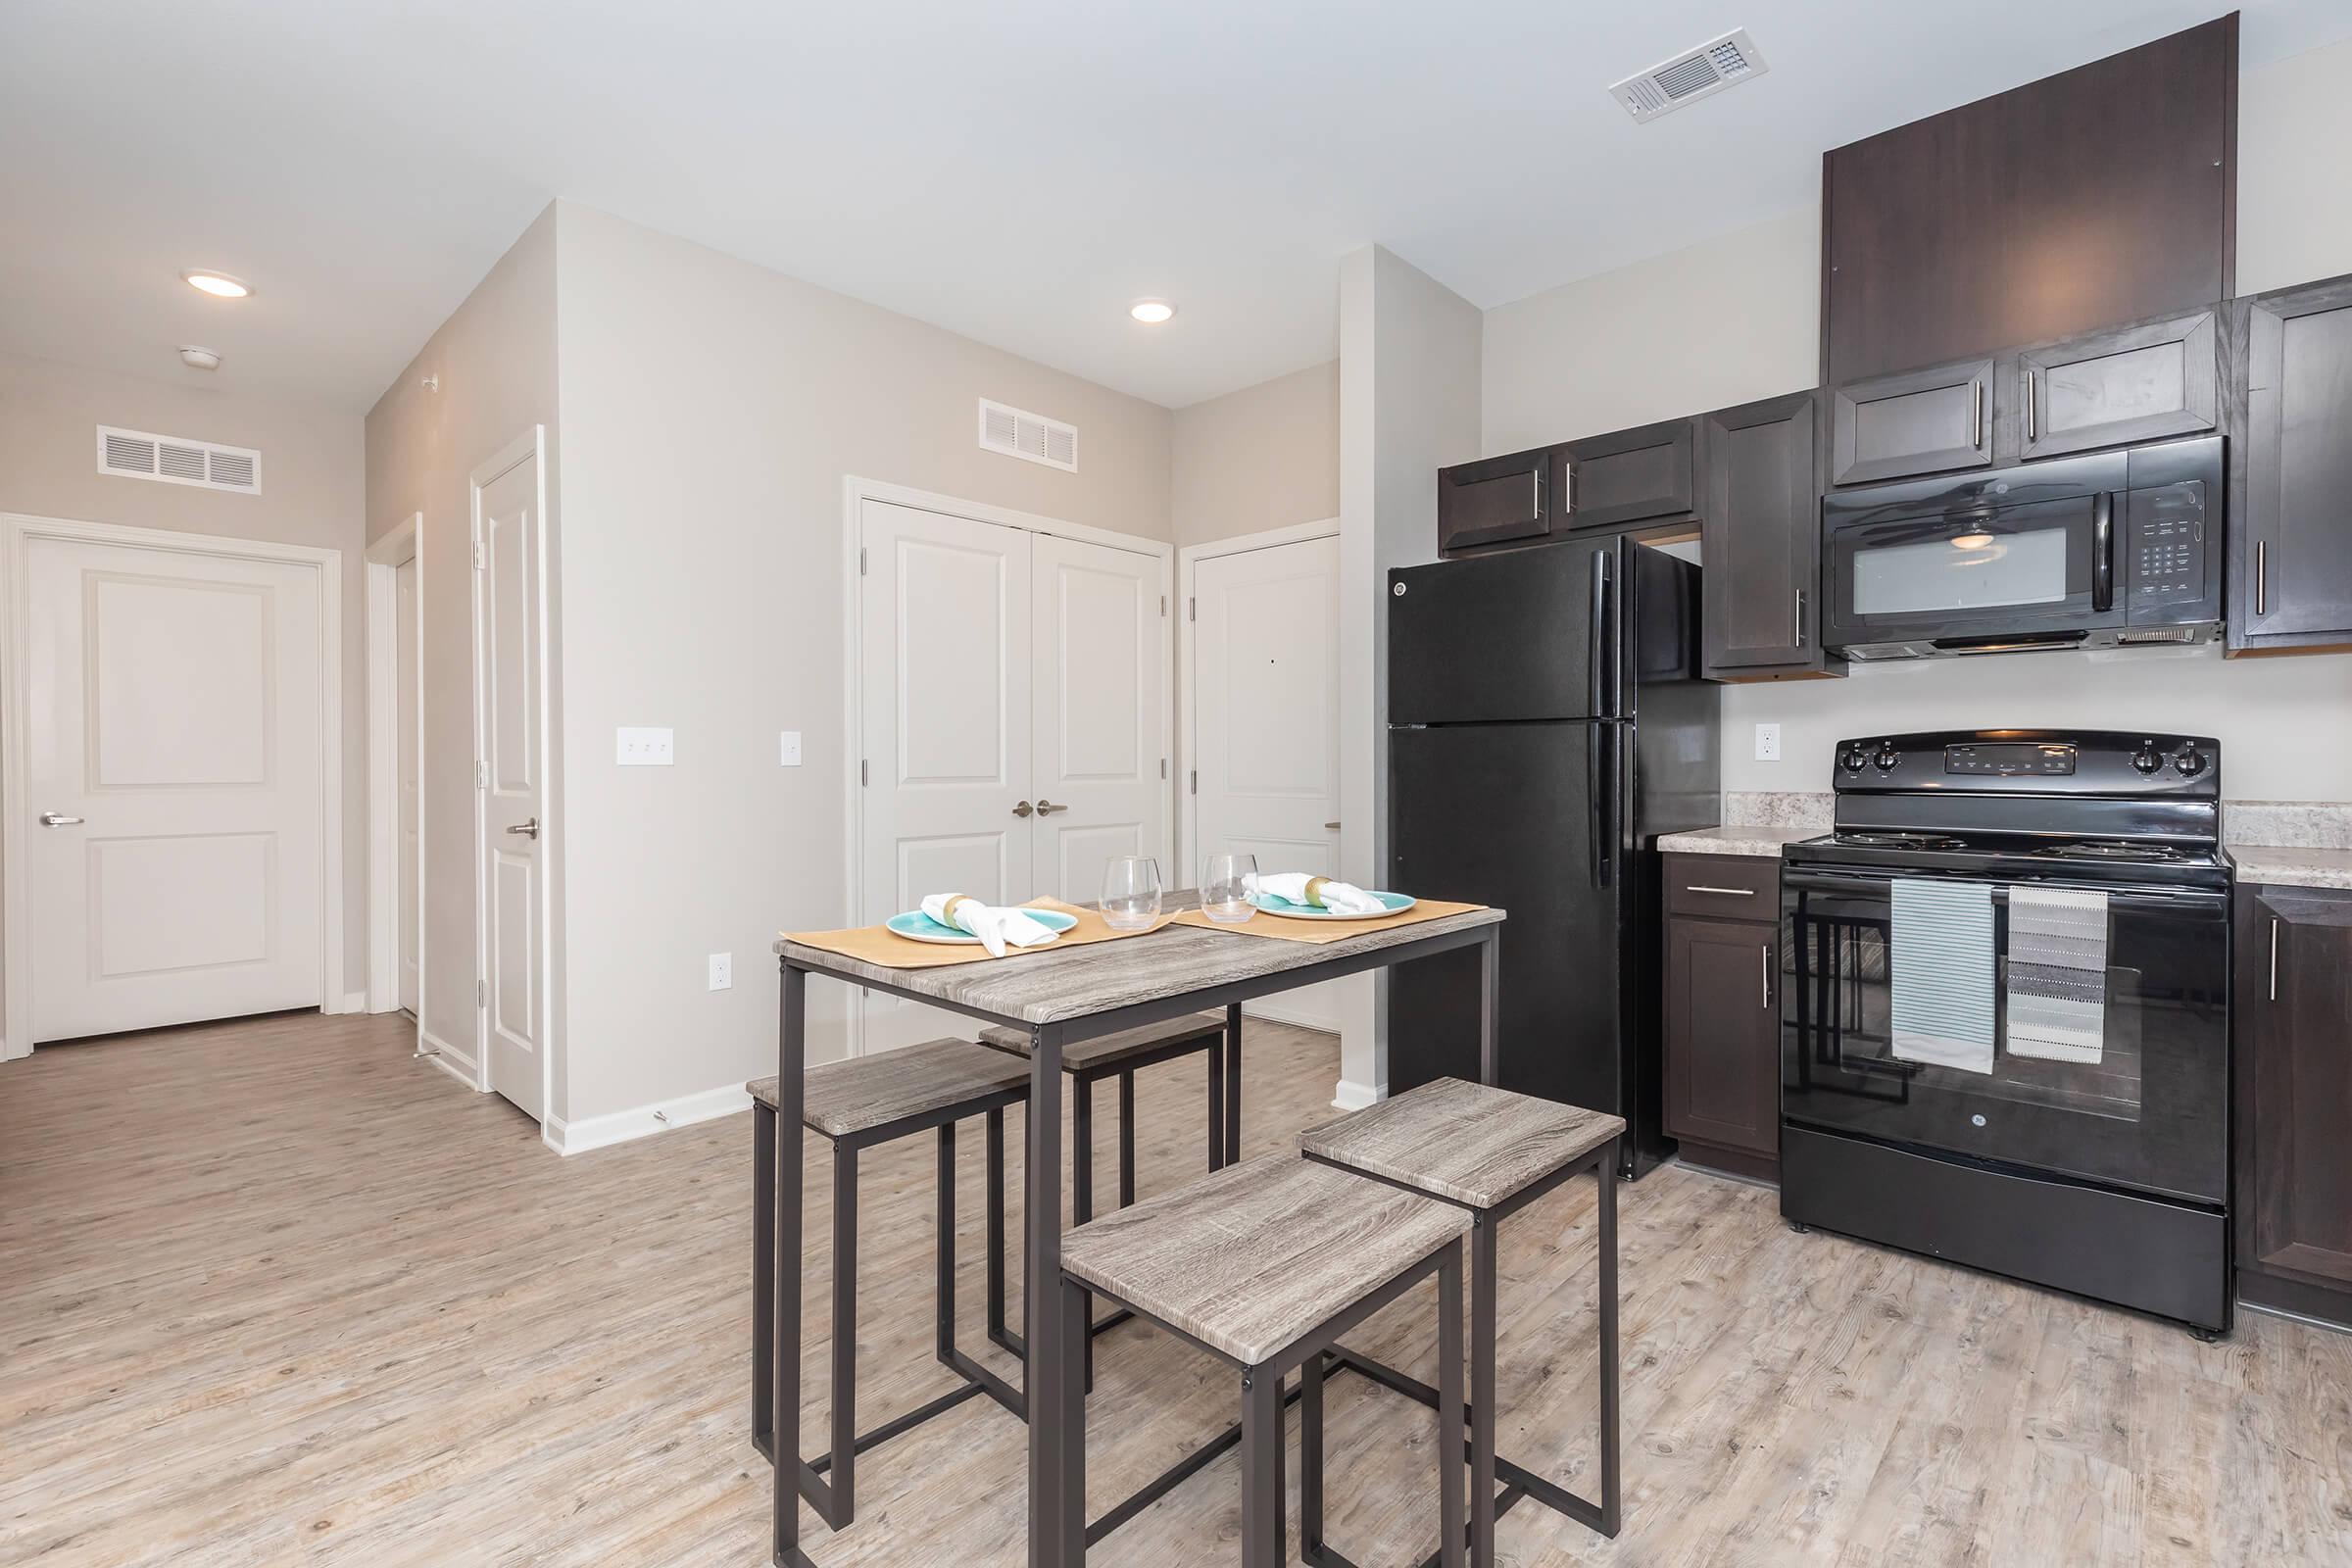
{"x":143,"y":455}
{"x":1018,"y":433}
{"x":1723,"y":61}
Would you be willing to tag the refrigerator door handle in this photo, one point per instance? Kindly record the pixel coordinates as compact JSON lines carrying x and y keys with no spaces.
{"x":1596,"y":649}
{"x":1595,"y":855}
{"x":1602,"y":785}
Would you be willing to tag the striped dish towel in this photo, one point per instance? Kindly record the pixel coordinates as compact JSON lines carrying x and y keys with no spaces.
{"x":1942,"y":982}
{"x":2057,"y":973}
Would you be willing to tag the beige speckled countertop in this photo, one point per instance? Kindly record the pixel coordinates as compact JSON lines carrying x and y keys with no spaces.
{"x":2301,"y":843}
{"x":2289,"y":865}
{"x":1756,"y":822}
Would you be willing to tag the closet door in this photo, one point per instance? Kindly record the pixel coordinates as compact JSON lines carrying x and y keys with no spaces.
{"x":1097,"y":633}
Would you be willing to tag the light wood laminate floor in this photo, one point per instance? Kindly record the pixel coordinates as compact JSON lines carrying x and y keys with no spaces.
{"x":275,"y":1291}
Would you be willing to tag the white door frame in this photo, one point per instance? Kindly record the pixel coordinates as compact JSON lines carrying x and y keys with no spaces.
{"x":1187,"y":559}
{"x":402,"y":543}
{"x":17,"y":531}
{"x":531,"y":448}
{"x":855,"y":493}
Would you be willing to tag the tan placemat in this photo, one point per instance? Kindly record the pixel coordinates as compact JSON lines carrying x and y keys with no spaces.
{"x":1262,"y":924}
{"x":874,"y":943}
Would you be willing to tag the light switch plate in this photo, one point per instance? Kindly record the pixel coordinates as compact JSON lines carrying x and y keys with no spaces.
{"x":1768,"y":743}
{"x":790,"y":753}
{"x":722,"y":970}
{"x":641,"y":747}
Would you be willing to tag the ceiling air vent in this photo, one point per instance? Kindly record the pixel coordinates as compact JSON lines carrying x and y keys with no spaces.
{"x":143,"y":455}
{"x":1018,"y":433}
{"x":1726,"y":62}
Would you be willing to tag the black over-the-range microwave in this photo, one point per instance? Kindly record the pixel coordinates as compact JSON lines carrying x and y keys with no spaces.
{"x":2110,"y":550}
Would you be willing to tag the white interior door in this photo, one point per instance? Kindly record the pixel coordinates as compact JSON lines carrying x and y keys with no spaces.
{"x":944,"y":727}
{"x":1264,"y":689}
{"x":1096,"y":636}
{"x":404,"y":727}
{"x":513,"y":782}
{"x":174,"y":761}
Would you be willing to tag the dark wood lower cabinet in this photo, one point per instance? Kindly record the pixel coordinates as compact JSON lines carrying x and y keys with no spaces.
{"x":2293,"y":1070}
{"x":1721,"y":1039}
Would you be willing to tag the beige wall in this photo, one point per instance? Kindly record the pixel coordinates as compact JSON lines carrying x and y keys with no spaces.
{"x":1265,"y":456}
{"x":712,"y":411}
{"x":311,"y":495}
{"x":1738,"y":318}
{"x":496,"y":361}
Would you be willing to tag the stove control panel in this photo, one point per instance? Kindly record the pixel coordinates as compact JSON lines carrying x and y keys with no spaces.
{"x":2010,"y":759}
{"x":2093,"y":762}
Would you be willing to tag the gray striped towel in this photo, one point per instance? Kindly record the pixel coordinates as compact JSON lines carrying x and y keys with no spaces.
{"x":2057,"y":973}
{"x":1942,"y":985}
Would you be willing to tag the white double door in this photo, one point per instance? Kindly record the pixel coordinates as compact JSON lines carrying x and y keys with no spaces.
{"x":1014,"y":720}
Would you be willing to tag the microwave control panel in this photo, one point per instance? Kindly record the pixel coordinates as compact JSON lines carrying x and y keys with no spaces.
{"x":2166,"y":542}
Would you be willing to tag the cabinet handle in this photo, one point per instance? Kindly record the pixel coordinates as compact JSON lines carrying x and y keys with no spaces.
{"x":2032,"y":390}
{"x":1800,"y":618}
{"x":2274,"y":957}
{"x":2262,"y":579}
{"x":1976,"y":411}
{"x":1728,"y":893}
{"x":1766,"y":951}
{"x":1568,"y":489}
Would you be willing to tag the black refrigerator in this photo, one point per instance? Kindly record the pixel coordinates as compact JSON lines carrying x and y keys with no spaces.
{"x":1546,"y":722}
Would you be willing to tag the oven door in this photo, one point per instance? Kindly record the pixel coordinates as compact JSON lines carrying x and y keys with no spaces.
{"x":1981,"y":577}
{"x":2151,"y":1114}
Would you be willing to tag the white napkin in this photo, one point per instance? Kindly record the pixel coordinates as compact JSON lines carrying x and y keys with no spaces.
{"x":997,"y":926}
{"x":1340,"y":897}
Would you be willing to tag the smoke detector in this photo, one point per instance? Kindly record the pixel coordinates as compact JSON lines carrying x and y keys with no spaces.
{"x":1691,"y":76}
{"x":196,"y":359}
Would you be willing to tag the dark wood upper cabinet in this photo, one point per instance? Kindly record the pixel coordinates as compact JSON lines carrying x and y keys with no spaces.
{"x":2293,"y":1021}
{"x":1627,"y":476}
{"x":2291,"y":473}
{"x":1495,"y":501}
{"x":2103,"y":194}
{"x":1912,"y":422}
{"x":2136,"y":383}
{"x":1760,"y":536}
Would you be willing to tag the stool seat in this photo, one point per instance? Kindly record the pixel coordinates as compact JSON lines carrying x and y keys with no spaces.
{"x":1466,"y":1143}
{"x":1250,"y":1258}
{"x":841,"y":1098}
{"x":1109,"y":1051}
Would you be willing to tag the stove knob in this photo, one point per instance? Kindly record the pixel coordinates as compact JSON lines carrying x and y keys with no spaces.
{"x":1886,"y":757}
{"x":2145,"y":758}
{"x":1854,"y":758}
{"x":2190,"y":761}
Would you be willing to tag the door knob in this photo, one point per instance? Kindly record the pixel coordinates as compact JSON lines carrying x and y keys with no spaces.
{"x":530,"y":829}
{"x":58,"y":820}
{"x":1023,"y":809}
{"x":1046,"y":808}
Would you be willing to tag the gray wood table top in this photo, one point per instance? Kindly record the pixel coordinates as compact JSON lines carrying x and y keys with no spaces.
{"x":1052,"y":987}
{"x":1248,"y":1258}
{"x":1462,"y":1141}
{"x":1109,"y":1051}
{"x":842,"y":1098}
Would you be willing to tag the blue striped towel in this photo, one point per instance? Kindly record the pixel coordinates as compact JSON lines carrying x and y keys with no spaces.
{"x":1942,"y":973}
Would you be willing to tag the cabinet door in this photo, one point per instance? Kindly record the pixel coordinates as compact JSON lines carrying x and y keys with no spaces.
{"x":1918,"y":422}
{"x":2138,"y":383}
{"x":2292,"y":524}
{"x":1760,"y":537}
{"x":1642,"y":475}
{"x":2294,"y":1046}
{"x":1494,"y":500}
{"x":1723,"y":1078}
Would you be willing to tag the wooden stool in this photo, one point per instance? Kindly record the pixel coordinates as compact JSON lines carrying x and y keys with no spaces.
{"x":1122,"y":1055}
{"x":1490,"y":1152}
{"x":859,"y":1103}
{"x":1263,"y":1265}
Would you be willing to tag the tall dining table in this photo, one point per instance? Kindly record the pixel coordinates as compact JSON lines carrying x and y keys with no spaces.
{"x":1062,"y":998}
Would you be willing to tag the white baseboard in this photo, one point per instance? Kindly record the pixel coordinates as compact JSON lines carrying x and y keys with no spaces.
{"x":459,"y":1064}
{"x":621,"y":1126}
{"x":1278,"y":1013}
{"x":1356,"y":1096}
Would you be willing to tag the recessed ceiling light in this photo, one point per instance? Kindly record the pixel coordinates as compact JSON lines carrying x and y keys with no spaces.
{"x":219,"y":285}
{"x":1151,"y":311}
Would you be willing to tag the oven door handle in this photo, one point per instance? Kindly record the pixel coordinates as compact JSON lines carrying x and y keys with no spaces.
{"x":2102,"y":551}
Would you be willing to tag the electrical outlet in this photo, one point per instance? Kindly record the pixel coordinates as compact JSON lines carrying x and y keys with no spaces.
{"x":1768,"y":743}
{"x":722,"y":970}
{"x":790,"y":752}
{"x":639,"y":747}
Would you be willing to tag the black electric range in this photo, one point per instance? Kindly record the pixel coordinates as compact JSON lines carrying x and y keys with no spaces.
{"x":2105,"y":1173}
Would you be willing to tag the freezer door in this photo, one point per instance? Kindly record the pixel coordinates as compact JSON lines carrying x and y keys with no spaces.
{"x":1500,"y":814}
{"x":1524,"y":634}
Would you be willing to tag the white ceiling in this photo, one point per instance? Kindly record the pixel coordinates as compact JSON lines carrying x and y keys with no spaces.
{"x":1018,"y":172}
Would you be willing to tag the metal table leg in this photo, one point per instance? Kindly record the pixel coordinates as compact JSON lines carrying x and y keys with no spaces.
{"x":1489,"y":995}
{"x":1232,"y":1082}
{"x":792,"y":1057}
{"x":1050,"y":1507}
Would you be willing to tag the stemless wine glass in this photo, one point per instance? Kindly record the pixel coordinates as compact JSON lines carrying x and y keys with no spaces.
{"x":1226,"y":883}
{"x":1130,"y":891}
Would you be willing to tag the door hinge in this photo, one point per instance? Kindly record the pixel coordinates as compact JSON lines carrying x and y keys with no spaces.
{"x":1163,"y":768}
{"x":481,"y":774}
{"x":863,"y":776}
{"x":861,"y":560}
{"x":1196,"y":781}
{"x":481,"y":994}
{"x":1192,"y":608}
{"x":1163,"y":606}
{"x":481,"y":556}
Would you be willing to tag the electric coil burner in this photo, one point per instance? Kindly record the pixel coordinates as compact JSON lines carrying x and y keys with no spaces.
{"x":2101,"y":1169}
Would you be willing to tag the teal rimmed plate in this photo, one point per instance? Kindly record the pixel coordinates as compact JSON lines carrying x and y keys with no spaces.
{"x":1397,"y":903}
{"x":920,"y":927}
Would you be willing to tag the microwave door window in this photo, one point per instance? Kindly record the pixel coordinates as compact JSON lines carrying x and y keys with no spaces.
{"x":1963,"y":572}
